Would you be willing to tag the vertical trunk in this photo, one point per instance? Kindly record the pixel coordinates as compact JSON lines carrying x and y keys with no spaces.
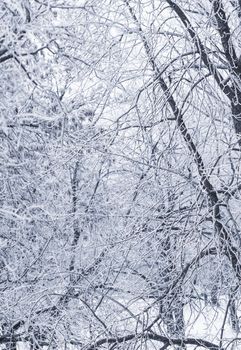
{"x":234,"y":317}
{"x":214,"y":294}
{"x":233,"y":312}
{"x":171,"y":308}
{"x":173,"y":316}
{"x":215,"y":288}
{"x":76,"y":229}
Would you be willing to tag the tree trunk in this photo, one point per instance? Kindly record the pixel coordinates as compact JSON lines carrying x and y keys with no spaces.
{"x":171,"y":308}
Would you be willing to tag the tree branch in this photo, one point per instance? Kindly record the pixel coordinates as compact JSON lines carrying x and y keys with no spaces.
{"x":152,"y":336}
{"x":225,"y":36}
{"x":201,"y":49}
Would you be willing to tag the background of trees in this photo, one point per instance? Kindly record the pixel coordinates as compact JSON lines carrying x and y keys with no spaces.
{"x":120,"y":174}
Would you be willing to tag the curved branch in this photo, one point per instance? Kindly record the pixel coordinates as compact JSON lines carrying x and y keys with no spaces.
{"x":152,"y":336}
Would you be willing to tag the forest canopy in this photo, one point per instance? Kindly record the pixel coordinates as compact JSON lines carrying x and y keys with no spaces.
{"x":120,"y":139}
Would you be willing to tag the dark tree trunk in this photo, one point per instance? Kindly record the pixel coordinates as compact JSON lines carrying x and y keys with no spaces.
{"x":234,"y":317}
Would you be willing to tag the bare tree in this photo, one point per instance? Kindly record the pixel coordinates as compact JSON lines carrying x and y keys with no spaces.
{"x":120,"y":190}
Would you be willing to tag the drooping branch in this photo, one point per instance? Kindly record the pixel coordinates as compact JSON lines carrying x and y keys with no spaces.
{"x":126,"y":338}
{"x":155,"y":337}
